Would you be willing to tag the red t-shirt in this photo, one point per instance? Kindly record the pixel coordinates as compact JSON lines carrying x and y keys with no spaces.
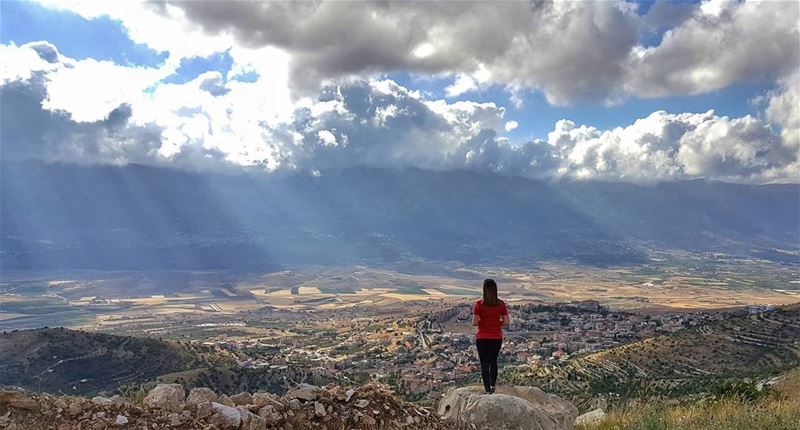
{"x":490,"y":326}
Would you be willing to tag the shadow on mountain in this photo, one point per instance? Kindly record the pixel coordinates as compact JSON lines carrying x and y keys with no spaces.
{"x":58,"y":216}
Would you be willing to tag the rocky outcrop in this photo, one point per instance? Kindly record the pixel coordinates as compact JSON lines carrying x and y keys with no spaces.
{"x":510,"y":408}
{"x":308,"y":407}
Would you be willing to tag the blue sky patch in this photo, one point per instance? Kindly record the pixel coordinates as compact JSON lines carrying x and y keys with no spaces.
{"x":191,"y":68}
{"x":74,"y":36}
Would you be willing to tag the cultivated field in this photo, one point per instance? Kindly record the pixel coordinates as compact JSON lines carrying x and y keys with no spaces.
{"x":668,"y":281}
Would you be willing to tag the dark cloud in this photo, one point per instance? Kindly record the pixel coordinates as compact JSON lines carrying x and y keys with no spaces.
{"x":29,"y":131}
{"x":568,"y":50}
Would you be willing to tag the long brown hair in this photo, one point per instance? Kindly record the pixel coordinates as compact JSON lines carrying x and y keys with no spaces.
{"x":490,"y":293}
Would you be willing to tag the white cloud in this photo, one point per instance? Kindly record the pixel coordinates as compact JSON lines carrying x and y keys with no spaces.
{"x":783,"y":109}
{"x":19,"y":63}
{"x":462,"y":84}
{"x":667,"y":146}
{"x":327,"y":138}
{"x":89,"y":89}
{"x":510,"y":125}
{"x":567,"y":50}
{"x":722,"y":43}
{"x":211,"y":123}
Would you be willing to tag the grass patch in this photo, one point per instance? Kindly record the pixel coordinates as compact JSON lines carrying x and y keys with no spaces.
{"x":774,"y":412}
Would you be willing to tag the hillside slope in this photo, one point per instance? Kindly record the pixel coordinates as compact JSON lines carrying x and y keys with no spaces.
{"x":777,"y":408}
{"x":77,"y":362}
{"x":704,"y":359}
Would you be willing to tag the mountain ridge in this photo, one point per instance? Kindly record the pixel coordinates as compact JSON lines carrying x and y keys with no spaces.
{"x":59,"y":216}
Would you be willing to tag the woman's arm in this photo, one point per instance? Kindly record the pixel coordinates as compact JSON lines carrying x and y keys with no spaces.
{"x":504,"y":319}
{"x":476,"y":320}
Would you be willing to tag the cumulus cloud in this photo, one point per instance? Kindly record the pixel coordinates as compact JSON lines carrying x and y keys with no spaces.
{"x":28,"y":131}
{"x":213,"y":123}
{"x":568,"y":50}
{"x":722,"y":43}
{"x":21,"y":63}
{"x":783,"y":109}
{"x":667,"y":146}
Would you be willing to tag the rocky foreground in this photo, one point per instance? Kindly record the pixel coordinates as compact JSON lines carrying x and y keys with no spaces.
{"x":168,"y":407}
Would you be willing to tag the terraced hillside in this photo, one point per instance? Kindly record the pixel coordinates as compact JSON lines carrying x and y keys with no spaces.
{"x":76,"y":362}
{"x":703,"y":359}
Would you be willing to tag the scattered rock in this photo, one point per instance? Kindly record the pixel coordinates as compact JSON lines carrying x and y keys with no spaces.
{"x":204,"y":410}
{"x":225,"y":400}
{"x":166,"y":396}
{"x":319,"y":410}
{"x":225,"y":416}
{"x":264,"y":399}
{"x":303,"y":392}
{"x":269,"y":414}
{"x":17,"y":399}
{"x":242,"y":399}
{"x":101,"y":401}
{"x":166,"y":409}
{"x":200,"y":395}
{"x":119,"y":400}
{"x":592,"y":417}
{"x":75,"y":409}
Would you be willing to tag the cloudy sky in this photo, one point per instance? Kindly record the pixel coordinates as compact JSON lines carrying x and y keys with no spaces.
{"x":610,"y":90}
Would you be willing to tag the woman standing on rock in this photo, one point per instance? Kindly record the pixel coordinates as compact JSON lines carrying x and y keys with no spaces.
{"x":490,"y":316}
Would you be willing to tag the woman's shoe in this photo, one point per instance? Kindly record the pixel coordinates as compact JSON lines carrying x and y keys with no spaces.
{"x":491,"y":390}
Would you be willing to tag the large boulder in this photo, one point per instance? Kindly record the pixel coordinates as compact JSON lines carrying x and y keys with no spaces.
{"x":510,"y":408}
{"x":166,"y":396}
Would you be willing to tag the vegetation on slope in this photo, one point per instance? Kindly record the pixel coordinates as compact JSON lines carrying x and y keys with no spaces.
{"x":698,"y":361}
{"x":77,"y":362}
{"x":777,"y":409}
{"x":232,"y":380}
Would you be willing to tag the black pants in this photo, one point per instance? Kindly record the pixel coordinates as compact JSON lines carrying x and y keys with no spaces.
{"x":488,"y":350}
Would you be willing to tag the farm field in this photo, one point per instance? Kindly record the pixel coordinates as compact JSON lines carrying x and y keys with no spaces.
{"x":669,"y":281}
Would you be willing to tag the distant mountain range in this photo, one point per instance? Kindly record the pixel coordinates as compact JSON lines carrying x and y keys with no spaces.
{"x":57,"y":216}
